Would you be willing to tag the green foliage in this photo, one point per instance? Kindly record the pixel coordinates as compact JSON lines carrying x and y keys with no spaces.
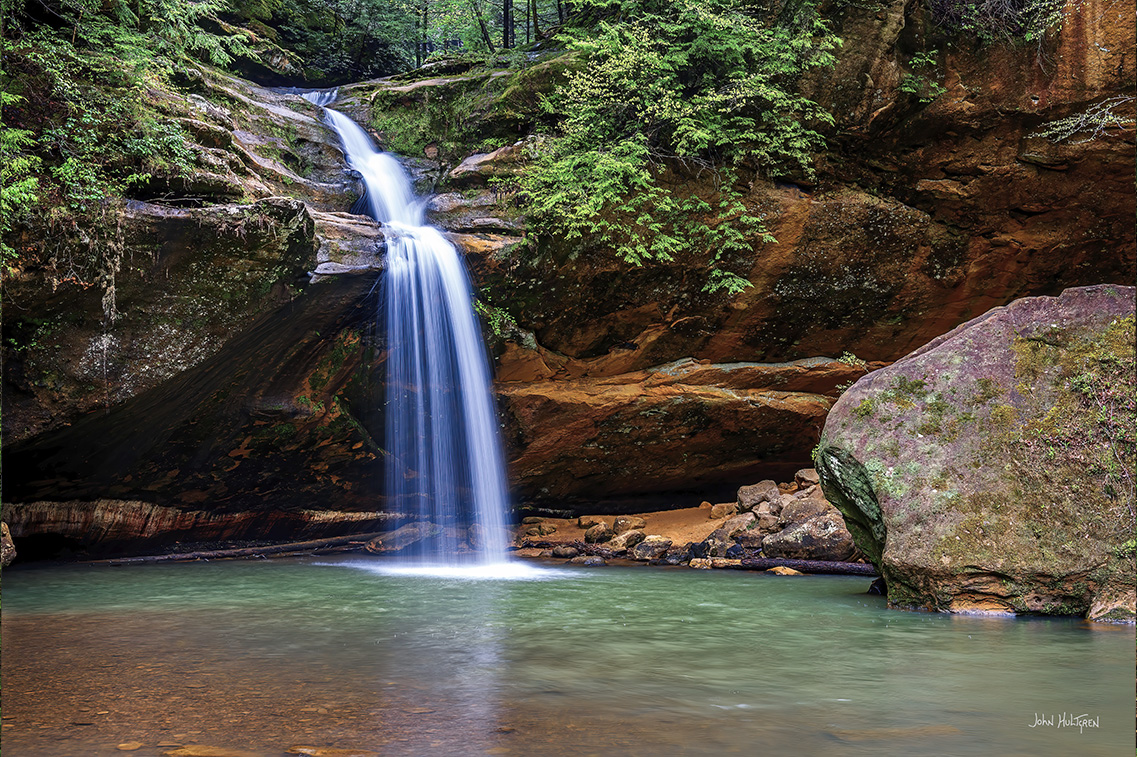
{"x":499,"y":321}
{"x":673,"y":88}
{"x":328,"y":42}
{"x":18,"y":183}
{"x":921,"y":83}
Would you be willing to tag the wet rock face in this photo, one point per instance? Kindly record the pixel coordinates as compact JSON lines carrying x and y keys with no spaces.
{"x":988,"y":470}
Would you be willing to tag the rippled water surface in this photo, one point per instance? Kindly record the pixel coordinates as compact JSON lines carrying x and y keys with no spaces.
{"x":264,"y":656}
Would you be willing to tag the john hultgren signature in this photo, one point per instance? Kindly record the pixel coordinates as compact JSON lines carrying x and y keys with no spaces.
{"x":1066,"y":720}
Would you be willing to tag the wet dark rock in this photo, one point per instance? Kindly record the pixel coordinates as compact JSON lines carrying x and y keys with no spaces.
{"x":878,"y":588}
{"x":737,"y":552}
{"x":588,"y":560}
{"x":651,"y":548}
{"x":716,"y":544}
{"x":751,"y":540}
{"x":565,"y":552}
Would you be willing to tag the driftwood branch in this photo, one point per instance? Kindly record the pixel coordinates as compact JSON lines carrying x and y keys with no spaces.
{"x":222,"y":554}
{"x":810,"y":566}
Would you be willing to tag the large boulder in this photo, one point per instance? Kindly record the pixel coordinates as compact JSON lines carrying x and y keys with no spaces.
{"x":991,"y":470}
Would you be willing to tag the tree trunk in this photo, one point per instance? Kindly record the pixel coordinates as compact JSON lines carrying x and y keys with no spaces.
{"x":536,"y":25}
{"x":482,"y":25}
{"x":506,"y":23}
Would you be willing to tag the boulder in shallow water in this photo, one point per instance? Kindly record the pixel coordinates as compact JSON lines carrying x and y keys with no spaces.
{"x":565,"y":552}
{"x":588,"y":560}
{"x":988,"y":470}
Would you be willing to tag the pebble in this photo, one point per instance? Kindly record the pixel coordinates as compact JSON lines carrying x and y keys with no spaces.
{"x":129,"y":746}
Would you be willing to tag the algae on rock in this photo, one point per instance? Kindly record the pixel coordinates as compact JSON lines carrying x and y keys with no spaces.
{"x":991,"y":470}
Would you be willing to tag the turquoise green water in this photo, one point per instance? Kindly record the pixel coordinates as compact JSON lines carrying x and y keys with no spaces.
{"x":266,"y":655}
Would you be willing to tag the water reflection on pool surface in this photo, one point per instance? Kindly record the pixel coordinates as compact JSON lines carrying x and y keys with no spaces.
{"x":354,"y":653}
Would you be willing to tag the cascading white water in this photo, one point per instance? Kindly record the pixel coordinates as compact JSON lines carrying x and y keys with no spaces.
{"x":444,"y":461}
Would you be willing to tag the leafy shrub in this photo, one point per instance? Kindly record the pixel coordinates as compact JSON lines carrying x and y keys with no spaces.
{"x":672,"y":88}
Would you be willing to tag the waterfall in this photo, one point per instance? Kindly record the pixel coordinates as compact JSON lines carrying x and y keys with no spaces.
{"x":444,"y":462}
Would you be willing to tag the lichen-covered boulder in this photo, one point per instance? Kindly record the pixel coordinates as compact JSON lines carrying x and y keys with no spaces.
{"x":992,"y":469}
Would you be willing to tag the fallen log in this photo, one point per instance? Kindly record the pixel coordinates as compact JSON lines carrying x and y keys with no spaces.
{"x":809,"y":566}
{"x":222,"y":554}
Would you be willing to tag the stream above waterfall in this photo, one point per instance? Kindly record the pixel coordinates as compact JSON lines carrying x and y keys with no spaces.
{"x":341,"y":652}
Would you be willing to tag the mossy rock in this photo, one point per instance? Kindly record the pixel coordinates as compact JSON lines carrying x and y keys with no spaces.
{"x":991,"y":470}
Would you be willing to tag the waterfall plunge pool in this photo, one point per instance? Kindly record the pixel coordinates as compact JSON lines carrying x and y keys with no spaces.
{"x":263,"y":656}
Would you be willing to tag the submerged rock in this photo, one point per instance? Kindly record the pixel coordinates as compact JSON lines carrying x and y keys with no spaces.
{"x":988,"y":470}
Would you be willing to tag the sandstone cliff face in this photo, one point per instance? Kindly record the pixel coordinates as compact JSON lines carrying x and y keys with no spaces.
{"x":991,"y":470}
{"x":615,"y":383}
{"x":188,"y":264}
